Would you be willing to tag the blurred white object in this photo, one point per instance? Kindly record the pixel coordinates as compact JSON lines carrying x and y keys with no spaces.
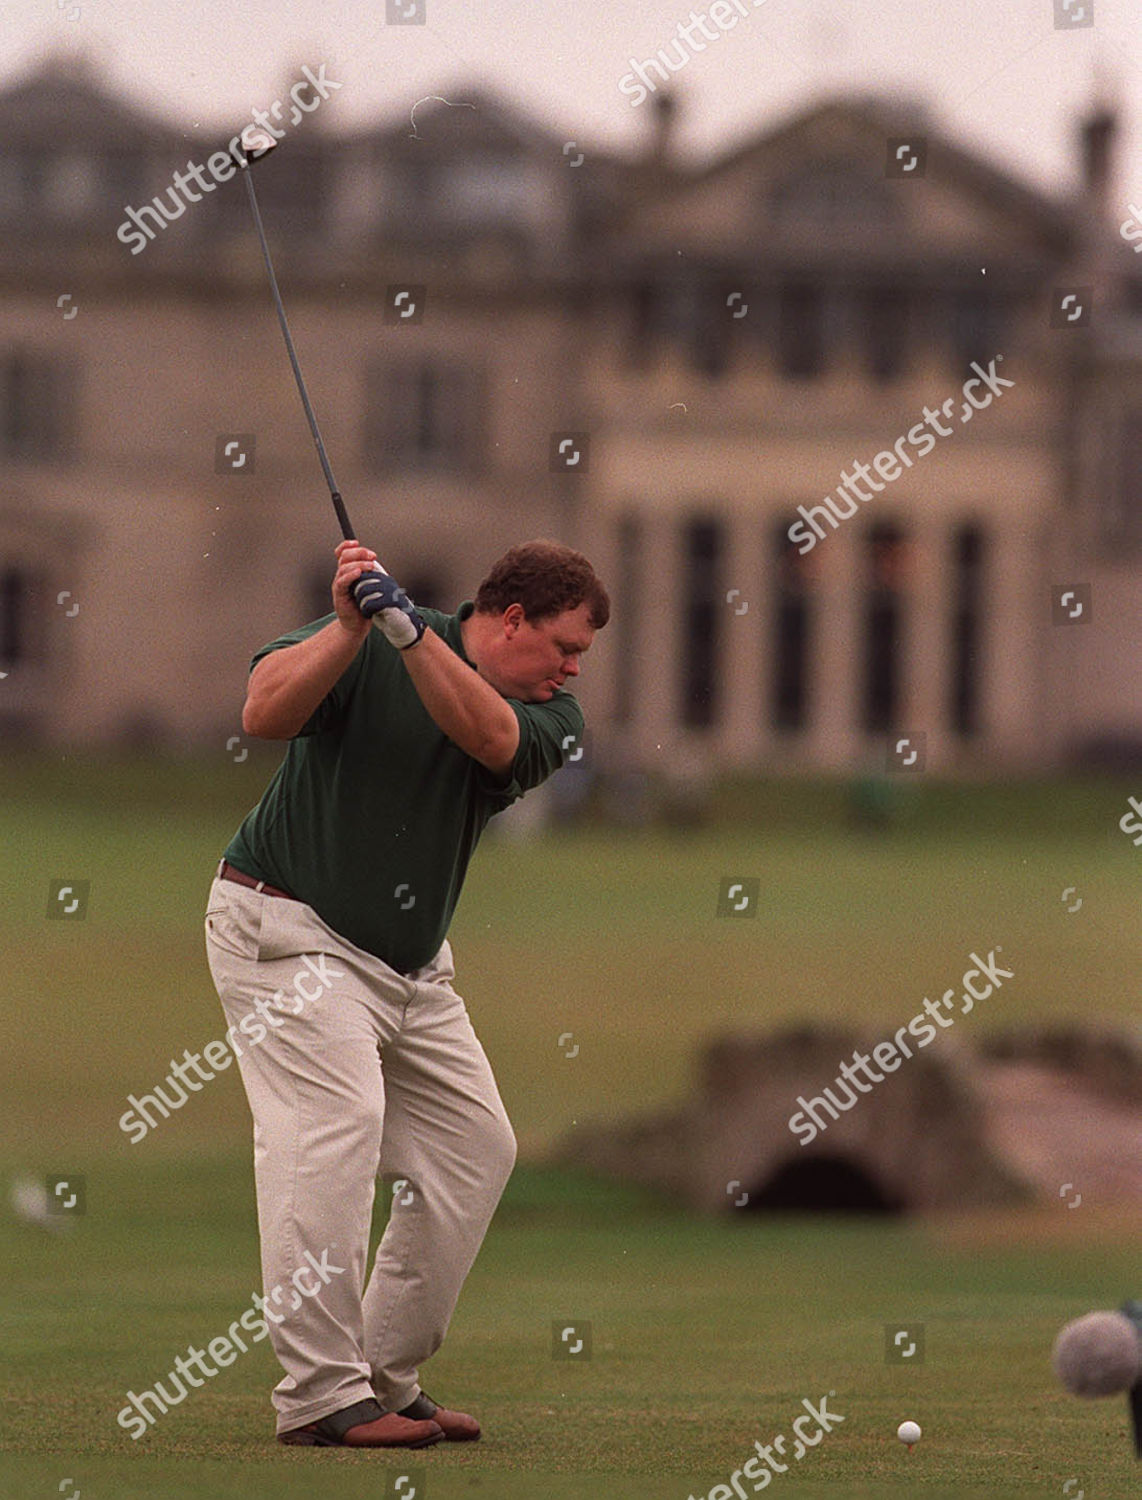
{"x":1098,"y":1355}
{"x":29,"y":1199}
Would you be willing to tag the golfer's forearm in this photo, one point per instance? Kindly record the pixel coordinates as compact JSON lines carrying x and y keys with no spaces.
{"x":468,"y":709}
{"x":286,"y":686}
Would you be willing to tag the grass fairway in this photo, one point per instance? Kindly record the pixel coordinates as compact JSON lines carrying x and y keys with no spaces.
{"x":706,"y":1336}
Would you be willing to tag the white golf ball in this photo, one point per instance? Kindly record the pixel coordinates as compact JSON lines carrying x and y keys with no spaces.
{"x":908,"y":1432}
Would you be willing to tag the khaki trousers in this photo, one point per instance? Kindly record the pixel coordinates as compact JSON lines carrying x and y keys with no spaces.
{"x":352,"y":1069}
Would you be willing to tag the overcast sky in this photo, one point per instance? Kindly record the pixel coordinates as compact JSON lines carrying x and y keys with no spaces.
{"x":996,"y":73}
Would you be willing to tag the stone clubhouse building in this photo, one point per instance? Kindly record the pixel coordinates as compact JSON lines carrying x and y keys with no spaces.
{"x":848,"y":418}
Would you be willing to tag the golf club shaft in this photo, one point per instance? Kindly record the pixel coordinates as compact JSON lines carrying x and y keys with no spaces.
{"x":338,"y":504}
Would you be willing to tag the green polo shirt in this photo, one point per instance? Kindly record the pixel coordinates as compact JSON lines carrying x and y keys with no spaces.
{"x":373,"y":815}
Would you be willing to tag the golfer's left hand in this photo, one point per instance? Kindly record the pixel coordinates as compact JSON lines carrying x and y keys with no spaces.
{"x":393,"y":613}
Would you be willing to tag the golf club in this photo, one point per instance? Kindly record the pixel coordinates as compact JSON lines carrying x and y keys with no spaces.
{"x":255,"y":144}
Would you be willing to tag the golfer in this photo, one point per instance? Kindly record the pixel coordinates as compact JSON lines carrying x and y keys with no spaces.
{"x":326,"y":933}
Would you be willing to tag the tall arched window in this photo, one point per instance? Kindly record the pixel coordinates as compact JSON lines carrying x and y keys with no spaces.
{"x":885,"y":566}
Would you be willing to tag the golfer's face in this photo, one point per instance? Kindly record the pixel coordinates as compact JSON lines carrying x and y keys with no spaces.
{"x":541,"y":657}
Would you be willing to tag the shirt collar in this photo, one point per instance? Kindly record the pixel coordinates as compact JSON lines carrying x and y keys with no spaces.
{"x":467,"y":608}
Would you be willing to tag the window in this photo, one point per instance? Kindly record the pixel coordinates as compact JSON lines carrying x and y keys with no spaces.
{"x":1122,"y":486}
{"x":689,"y":315}
{"x":677,"y":307}
{"x":11,"y":186}
{"x":702,"y":539}
{"x":424,"y":415}
{"x":833,"y":198}
{"x":287,"y":210}
{"x":1130,"y":474}
{"x":884,"y":320}
{"x":22,"y":176}
{"x":883,"y":627}
{"x":695,"y":323}
{"x":710,"y":339}
{"x":125,"y":177}
{"x":484,"y":190}
{"x":455,"y":196}
{"x":967,"y":566}
{"x":72,"y":189}
{"x":801,"y":331}
{"x":15,"y":615}
{"x":625,"y":621}
{"x":36,"y":401}
{"x":976,"y":327}
{"x":643,"y":324}
{"x":792,"y":630}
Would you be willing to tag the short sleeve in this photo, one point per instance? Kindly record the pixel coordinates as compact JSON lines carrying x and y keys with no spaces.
{"x":548,"y":735}
{"x":332,"y":707}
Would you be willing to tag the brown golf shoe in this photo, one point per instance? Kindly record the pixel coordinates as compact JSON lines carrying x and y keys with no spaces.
{"x":364,"y":1425}
{"x":458,"y":1426}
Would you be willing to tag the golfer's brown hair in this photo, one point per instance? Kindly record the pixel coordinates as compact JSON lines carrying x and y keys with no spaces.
{"x":546,"y":578}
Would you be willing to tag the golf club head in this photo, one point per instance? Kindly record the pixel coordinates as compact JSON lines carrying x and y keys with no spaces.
{"x":256,"y":142}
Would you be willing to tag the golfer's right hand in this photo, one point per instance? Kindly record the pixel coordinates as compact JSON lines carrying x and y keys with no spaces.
{"x":352,"y":561}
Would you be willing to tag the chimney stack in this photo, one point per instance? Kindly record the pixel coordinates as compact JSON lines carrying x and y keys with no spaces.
{"x":664,"y":103}
{"x":1097,"y":135}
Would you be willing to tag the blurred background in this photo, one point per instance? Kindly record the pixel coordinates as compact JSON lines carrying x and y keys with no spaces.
{"x":690,"y":354}
{"x":687,"y":297}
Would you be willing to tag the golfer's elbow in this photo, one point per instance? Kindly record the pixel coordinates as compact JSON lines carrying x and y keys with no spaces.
{"x":264,"y":722}
{"x":258,"y":728}
{"x":497,"y":754}
{"x":266,"y":712}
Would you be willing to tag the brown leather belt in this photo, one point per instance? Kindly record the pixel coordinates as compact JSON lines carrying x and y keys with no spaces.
{"x":228,"y":872}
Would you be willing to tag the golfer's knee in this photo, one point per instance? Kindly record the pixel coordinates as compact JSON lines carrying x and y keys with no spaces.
{"x":488,"y":1157}
{"x":498,"y":1151}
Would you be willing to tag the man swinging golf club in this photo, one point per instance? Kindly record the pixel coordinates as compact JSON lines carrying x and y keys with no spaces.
{"x":326,"y":936}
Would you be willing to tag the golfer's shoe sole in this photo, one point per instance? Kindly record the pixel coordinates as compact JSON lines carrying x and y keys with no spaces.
{"x":364,"y":1425}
